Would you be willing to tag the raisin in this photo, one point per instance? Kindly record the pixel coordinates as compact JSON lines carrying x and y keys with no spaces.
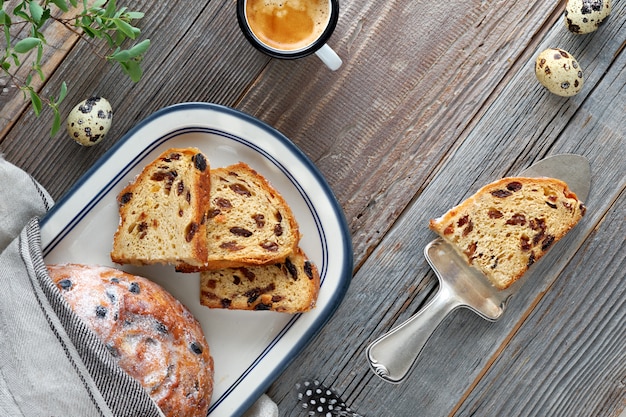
{"x":174,"y":156}
{"x":547,"y":242}
{"x":525,"y":243}
{"x":111,"y":296}
{"x":240,"y":231}
{"x":134,"y":288}
{"x":223,"y":203}
{"x":468,"y":229}
{"x":192,"y":228}
{"x":212,"y":283}
{"x":65,"y":284}
{"x":259,"y":219}
{"x":161,"y":328}
{"x":112,"y":350}
{"x":293,"y":271}
{"x":247,"y":273}
{"x":276,"y":298}
{"x":196,"y":348}
{"x":494,"y":214}
{"x":231,"y":246}
{"x":188,"y":197}
{"x":240,"y":189}
{"x":142,"y":229}
{"x":236,"y":280}
{"x":200,"y":162}
{"x":449,"y":230}
{"x":253,"y":294}
{"x":115,"y":280}
{"x":308,"y":269}
{"x":279,"y":216}
{"x":225,"y":303}
{"x":213,"y":212}
{"x":551,"y":205}
{"x":278,"y":229}
{"x":514,"y":186}
{"x":462,"y":221}
{"x":517,"y":220}
{"x":125,"y":198}
{"x":501,"y":193}
{"x":180,"y":187}
{"x":270,"y":246}
{"x":531,"y":259}
{"x":101,"y":311}
{"x":262,"y":307}
{"x":470,"y":251}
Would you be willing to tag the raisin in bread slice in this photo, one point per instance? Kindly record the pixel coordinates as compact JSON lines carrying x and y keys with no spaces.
{"x":291,"y":286}
{"x":163,"y":212}
{"x":509,"y":224}
{"x":249,"y":223}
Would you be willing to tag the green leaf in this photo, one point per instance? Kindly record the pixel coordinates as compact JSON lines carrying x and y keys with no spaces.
{"x":135,"y":15}
{"x":139,"y":49}
{"x":36,"y":11}
{"x":61,"y":4}
{"x":62,"y":93}
{"x":26,"y":45}
{"x":126,"y":28}
{"x":56,"y":121}
{"x":110,"y":10}
{"x":5,"y":19}
{"x":132,"y":69}
{"x":34,"y":98}
{"x":120,"y":55}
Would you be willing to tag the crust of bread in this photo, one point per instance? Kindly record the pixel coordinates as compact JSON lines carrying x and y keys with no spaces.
{"x":150,"y":334}
{"x":508,"y":225}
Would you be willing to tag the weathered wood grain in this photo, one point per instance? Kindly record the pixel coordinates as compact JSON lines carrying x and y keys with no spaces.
{"x":408,"y":90}
{"x":524,"y":123}
{"x":434,"y":100}
{"x":59,"y":42}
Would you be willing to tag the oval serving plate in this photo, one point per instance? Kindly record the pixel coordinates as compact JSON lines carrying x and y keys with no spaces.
{"x":250,"y":349}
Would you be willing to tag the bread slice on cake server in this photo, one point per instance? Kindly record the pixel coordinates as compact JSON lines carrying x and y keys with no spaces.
{"x":392,"y":355}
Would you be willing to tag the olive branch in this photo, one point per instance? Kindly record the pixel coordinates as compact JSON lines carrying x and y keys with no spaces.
{"x":101,"y":20}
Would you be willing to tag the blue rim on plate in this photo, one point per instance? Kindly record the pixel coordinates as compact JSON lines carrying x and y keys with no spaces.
{"x":235,"y":135}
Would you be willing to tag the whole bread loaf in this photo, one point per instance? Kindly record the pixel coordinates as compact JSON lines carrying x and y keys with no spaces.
{"x":249,"y":223}
{"x":291,"y":286}
{"x":163,"y":212}
{"x":507,"y":225}
{"x":153,"y":337}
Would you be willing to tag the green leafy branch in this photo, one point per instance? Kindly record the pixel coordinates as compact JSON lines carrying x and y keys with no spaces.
{"x":101,"y":21}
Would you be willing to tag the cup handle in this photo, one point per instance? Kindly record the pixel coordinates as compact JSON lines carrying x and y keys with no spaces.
{"x":329,"y":57}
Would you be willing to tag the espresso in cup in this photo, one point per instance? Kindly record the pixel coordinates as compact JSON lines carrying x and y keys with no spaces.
{"x":290,"y":29}
{"x":288,"y":25}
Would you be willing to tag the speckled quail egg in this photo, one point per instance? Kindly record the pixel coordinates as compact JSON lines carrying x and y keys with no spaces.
{"x":585,"y":16}
{"x":559,"y":72}
{"x":90,"y":121}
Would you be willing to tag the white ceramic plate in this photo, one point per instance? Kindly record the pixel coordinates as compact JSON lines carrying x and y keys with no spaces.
{"x":250,"y":349}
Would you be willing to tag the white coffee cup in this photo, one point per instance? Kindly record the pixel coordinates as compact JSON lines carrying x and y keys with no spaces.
{"x":290,"y":29}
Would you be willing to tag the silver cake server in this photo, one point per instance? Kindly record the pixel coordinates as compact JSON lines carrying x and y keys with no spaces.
{"x":392,"y":355}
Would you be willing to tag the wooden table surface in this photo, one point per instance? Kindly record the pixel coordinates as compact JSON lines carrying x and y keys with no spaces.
{"x":434,"y":99}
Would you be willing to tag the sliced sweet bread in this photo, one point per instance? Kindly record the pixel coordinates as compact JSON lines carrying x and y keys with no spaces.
{"x":163,"y":212}
{"x":291,"y":286}
{"x":509,"y":224}
{"x":249,"y":223}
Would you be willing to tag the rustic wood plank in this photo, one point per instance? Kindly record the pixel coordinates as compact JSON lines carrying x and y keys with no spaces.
{"x":59,"y":42}
{"x":394,"y":281}
{"x":406,"y":93}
